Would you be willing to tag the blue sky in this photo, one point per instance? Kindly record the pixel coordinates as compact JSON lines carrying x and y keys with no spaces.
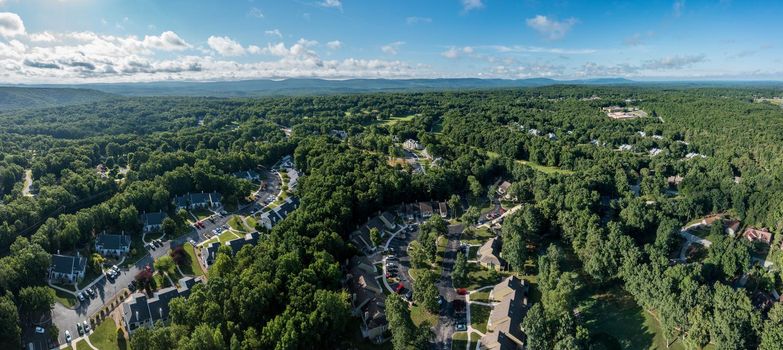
{"x":51,"y":41}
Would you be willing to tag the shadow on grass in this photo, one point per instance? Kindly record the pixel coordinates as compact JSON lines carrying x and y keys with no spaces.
{"x":617,"y":322}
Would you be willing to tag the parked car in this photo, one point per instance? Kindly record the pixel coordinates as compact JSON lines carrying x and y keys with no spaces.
{"x":460,"y":327}
{"x":39,"y":330}
{"x":67,"y":336}
{"x":409,"y":295}
{"x":132,"y":287}
{"x":80,"y":296}
{"x":79,"y":328}
{"x":462,"y":291}
{"x":90,"y":292}
{"x":86,"y":326}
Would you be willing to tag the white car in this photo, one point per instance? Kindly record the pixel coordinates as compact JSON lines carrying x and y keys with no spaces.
{"x":39,"y":330}
{"x":67,"y":336}
{"x":86,"y":326}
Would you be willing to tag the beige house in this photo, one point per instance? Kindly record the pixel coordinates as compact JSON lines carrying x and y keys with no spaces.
{"x":505,"y":320}
{"x":489,"y":255}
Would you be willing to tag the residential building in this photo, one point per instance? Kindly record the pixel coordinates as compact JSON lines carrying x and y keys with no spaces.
{"x":293,"y":178}
{"x":732,"y":227}
{"x":209,"y":252}
{"x":153,"y":221}
{"x":507,"y":287}
{"x":504,"y":325}
{"x":655,"y":151}
{"x":625,"y":147}
{"x":443,"y":209}
{"x":758,"y":235}
{"x":270,"y":218}
{"x":388,"y":220}
{"x":198,"y":201}
{"x":425,"y":210}
{"x":67,"y":268}
{"x":248,"y":175}
{"x":367,"y":299}
{"x":503,"y":188}
{"x":489,"y":255}
{"x":412,"y":145}
{"x":142,"y":311}
{"x":112,"y":244}
{"x":675,"y":180}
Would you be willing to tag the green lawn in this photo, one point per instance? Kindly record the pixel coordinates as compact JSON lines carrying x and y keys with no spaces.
{"x":479,"y":314}
{"x":227,"y":236}
{"x":460,"y":341}
{"x":137,"y":251}
{"x":395,"y":120}
{"x":419,"y":314}
{"x":252,"y":222}
{"x":479,"y":277}
{"x":192,"y":267}
{"x":236,"y":223}
{"x":64,"y":298}
{"x":482,"y":296}
{"x":201,"y":214}
{"x":105,"y":337}
{"x":476,"y":236}
{"x":617,"y":322}
{"x":542,"y":168}
{"x":81,"y":345}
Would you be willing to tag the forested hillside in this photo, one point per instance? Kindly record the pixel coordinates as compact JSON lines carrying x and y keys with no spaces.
{"x":21,"y":97}
{"x":601,"y":205}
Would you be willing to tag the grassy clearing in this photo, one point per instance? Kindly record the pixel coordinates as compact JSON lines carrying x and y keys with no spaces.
{"x":479,"y":314}
{"x":201,"y":214}
{"x":64,"y":298}
{"x":137,"y":251}
{"x":542,"y":168}
{"x":252,"y":222}
{"x":394,"y":120}
{"x":460,"y":340}
{"x":227,"y":236}
{"x":82,"y":345}
{"x":617,"y":322}
{"x":482,"y":296}
{"x":236,"y":223}
{"x":419,"y":314}
{"x":105,"y":337}
{"x":479,"y":277}
{"x":192,"y":267}
{"x":476,"y":236}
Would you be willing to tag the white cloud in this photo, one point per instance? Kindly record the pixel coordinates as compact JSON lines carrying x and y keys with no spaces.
{"x":392,"y":48}
{"x":255,"y":12}
{"x":167,"y":41}
{"x":11,"y":25}
{"x":468,"y":5}
{"x":45,"y":37}
{"x":332,"y":3}
{"x":334,"y":45}
{"x":673,"y":62}
{"x":225,"y":46}
{"x":536,"y":49}
{"x":455,"y":52}
{"x":418,"y":20}
{"x":550,"y":29}
{"x":273,"y":32}
{"x":677,"y":8}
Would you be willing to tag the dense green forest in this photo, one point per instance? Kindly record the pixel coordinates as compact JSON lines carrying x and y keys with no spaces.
{"x":596,"y":218}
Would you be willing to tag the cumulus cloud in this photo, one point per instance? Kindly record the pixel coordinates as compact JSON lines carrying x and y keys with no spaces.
{"x":45,"y":37}
{"x":468,"y":5}
{"x":255,"y":12}
{"x":11,"y":25}
{"x":334,"y":45}
{"x":664,"y":64}
{"x":392,"y":48}
{"x":550,"y":28}
{"x":273,"y":32}
{"x":418,"y":20}
{"x":225,"y":46}
{"x":332,"y":3}
{"x":455,"y":52}
{"x":167,"y":41}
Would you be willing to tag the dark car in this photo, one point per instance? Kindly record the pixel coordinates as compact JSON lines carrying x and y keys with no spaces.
{"x":409,"y":295}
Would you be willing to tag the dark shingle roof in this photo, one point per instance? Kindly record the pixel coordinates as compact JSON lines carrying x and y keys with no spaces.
{"x":153,"y":218}
{"x":112,"y":241}
{"x":67,"y":264}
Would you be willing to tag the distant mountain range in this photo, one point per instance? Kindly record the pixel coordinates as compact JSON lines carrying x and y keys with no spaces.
{"x":36,"y":96}
{"x":289,"y":87}
{"x":29,"y":97}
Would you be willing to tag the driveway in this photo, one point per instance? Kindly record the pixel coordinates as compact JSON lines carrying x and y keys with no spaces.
{"x":444,"y":330}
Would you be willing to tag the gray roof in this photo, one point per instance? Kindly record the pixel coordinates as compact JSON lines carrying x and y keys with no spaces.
{"x":150,"y":219}
{"x":142,"y":309}
{"x":211,"y":252}
{"x":68,"y":264}
{"x":237,"y":244}
{"x":247,"y":174}
{"x":197,"y":198}
{"x":113,"y":241}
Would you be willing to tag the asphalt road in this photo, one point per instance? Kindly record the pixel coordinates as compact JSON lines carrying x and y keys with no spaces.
{"x":446,"y":320}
